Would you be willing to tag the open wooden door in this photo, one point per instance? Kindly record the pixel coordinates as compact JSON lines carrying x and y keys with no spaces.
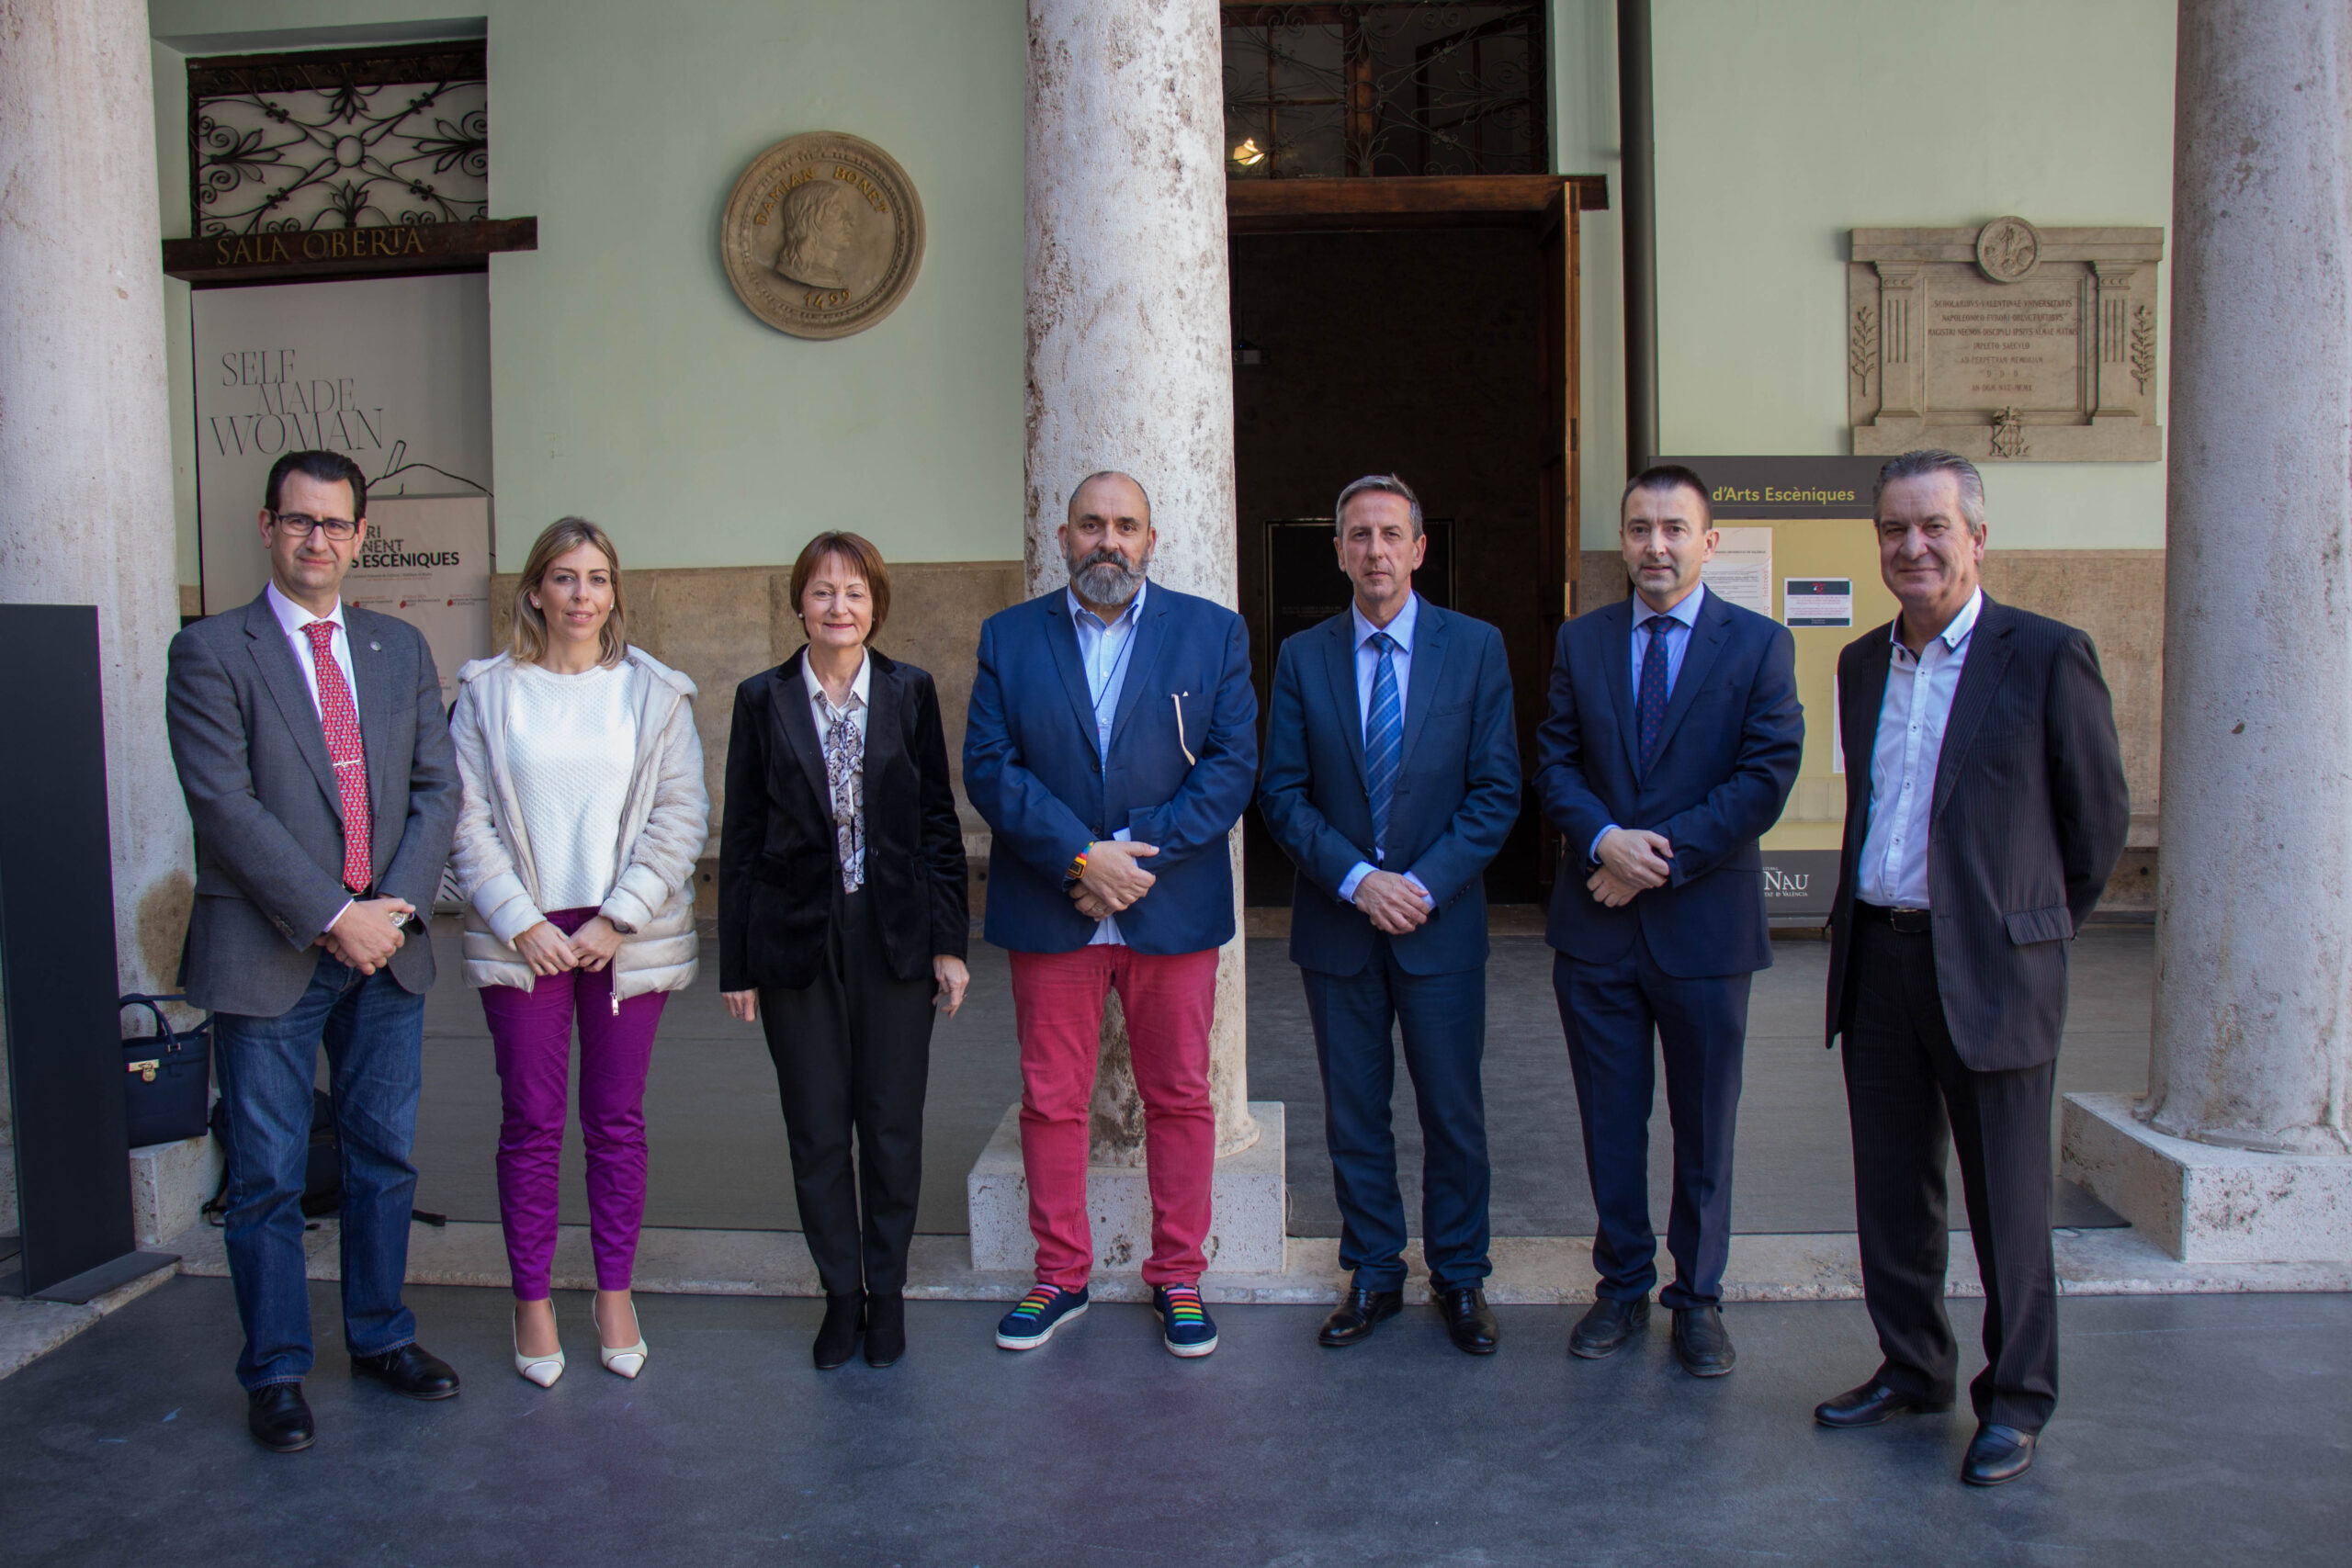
{"x":1558,"y":473}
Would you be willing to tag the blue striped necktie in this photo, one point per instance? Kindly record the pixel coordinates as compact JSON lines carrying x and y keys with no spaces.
{"x":1383,"y":740}
{"x":1650,"y":705}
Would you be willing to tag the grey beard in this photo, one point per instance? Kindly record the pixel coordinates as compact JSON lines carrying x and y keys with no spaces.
{"x":1109,"y":582}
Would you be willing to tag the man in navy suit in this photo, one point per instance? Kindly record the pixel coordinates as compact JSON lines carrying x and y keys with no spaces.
{"x":1111,"y":745}
{"x":1392,"y":778}
{"x":1671,"y":744}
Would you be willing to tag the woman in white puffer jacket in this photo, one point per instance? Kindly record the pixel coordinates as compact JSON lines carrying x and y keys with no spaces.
{"x":583,"y":815}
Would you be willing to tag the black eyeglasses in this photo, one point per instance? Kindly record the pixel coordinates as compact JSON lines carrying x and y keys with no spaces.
{"x":300,"y":525}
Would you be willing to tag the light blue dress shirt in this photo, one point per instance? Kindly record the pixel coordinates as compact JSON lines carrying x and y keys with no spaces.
{"x":1104,"y":650}
{"x":1677,"y":648}
{"x":1400,"y":630}
{"x":1911,"y":719}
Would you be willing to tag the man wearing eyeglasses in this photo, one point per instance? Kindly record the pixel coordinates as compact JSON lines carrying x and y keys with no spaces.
{"x":317,"y":765}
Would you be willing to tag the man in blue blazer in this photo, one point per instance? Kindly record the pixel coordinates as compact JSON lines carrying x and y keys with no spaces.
{"x":1392,"y":778}
{"x":1111,"y":745}
{"x":1671,"y":743}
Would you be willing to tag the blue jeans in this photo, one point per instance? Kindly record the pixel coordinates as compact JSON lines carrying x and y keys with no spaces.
{"x":1443,"y":1020}
{"x":374,"y":1035}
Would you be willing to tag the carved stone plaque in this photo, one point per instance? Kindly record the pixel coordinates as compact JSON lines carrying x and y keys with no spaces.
{"x":822,"y":235}
{"x":2006,"y":343}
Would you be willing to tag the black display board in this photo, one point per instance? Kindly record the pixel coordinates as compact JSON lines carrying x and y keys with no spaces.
{"x":57,"y":960}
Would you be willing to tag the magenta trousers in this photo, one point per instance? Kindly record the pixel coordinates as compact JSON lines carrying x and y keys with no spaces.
{"x":531,"y":1032}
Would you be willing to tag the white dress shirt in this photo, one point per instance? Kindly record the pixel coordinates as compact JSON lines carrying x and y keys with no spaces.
{"x":1911,"y":720}
{"x":291,"y":619}
{"x":1677,"y":649}
{"x":860,"y":685}
{"x":1400,"y":659}
{"x":1104,"y":648}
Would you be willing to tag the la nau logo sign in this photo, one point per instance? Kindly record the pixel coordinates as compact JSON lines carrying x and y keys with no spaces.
{"x":1778,"y":883}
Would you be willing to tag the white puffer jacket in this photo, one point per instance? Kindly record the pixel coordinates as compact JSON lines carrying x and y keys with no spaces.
{"x":663,"y":826}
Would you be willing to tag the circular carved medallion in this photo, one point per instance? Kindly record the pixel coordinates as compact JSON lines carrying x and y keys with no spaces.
{"x":2007,"y":249}
{"x":822,"y":235}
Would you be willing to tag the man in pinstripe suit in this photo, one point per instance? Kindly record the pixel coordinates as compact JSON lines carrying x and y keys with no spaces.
{"x":1985,"y":809}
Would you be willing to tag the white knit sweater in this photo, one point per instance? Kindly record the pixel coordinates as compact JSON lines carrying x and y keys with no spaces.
{"x":571,"y":749}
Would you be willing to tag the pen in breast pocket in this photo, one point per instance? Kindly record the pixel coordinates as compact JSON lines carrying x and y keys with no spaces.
{"x":1178,"y":698}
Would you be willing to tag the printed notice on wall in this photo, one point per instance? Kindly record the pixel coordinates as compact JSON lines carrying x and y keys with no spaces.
{"x":427,"y":561}
{"x":1742,"y":569}
{"x":1818,"y":601}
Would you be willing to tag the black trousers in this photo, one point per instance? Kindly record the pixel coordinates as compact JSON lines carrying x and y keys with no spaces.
{"x":853,"y":1054}
{"x":1909,"y":1096}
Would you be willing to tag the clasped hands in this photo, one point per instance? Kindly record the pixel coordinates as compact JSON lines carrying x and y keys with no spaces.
{"x":368,"y":932}
{"x":1398,"y":904}
{"x":1113,"y":881}
{"x":548,"y":952}
{"x":1633,"y":860}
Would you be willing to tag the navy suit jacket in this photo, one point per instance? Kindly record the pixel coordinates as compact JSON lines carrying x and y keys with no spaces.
{"x":1032,"y":770}
{"x":1457,"y":792}
{"x":1726,"y":759}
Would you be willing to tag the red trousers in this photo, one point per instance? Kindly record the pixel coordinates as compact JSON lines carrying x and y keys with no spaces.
{"x":1058,"y":1012}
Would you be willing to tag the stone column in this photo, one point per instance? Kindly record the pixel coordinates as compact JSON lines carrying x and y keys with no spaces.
{"x":85,"y":466}
{"x":2239,"y":1151}
{"x":1130,"y":360}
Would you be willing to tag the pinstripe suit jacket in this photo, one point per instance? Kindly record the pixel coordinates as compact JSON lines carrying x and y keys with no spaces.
{"x":2027,"y":820}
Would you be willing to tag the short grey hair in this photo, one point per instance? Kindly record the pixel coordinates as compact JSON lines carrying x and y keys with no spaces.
{"x":1380,"y":484}
{"x":1070,"y":508}
{"x":1930,"y":460}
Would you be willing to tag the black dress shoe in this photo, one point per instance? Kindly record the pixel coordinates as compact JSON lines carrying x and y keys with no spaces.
{"x":885,"y":1329}
{"x":1702,"y":1343}
{"x":1358,"y":1311}
{"x":1606,"y":1326}
{"x":412,"y":1369}
{"x":837,"y":1336}
{"x":1468,"y":1321}
{"x":1996,"y":1454}
{"x":1873,"y":1403}
{"x":279,"y":1417}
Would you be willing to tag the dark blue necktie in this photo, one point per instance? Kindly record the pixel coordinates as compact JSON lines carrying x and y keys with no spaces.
{"x":1383,"y":740}
{"x":1649,"y":706}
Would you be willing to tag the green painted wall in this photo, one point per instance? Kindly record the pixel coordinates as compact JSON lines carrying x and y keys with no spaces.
{"x":1783,"y":123}
{"x":629,"y":385}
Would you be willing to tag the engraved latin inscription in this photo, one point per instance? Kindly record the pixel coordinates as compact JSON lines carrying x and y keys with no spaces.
{"x":1991,"y":346}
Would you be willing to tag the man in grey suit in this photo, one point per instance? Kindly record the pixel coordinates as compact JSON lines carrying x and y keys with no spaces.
{"x":1985,"y":809}
{"x":317,"y":765}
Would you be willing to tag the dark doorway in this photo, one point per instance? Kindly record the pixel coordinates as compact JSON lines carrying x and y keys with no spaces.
{"x":1422,"y":351}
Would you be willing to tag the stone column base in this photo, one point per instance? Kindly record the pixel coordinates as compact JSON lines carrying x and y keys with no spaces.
{"x":1249,"y":1205}
{"x":169,"y":1185}
{"x":2204,"y":1203}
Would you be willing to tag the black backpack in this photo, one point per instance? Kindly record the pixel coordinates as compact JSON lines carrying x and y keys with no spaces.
{"x":322,"y":1172}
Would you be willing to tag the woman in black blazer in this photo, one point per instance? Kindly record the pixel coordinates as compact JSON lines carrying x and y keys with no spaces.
{"x":842,"y":918}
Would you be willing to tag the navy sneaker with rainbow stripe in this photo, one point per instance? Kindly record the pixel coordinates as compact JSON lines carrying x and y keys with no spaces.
{"x":1186,"y":1328}
{"x":1042,"y":1310}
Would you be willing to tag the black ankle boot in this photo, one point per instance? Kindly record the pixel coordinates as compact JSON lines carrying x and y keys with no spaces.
{"x":885,"y":1329}
{"x":844,"y":1315}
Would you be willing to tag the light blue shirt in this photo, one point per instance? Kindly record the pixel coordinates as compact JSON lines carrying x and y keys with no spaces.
{"x":1676,"y":648}
{"x":1104,"y":650}
{"x":1911,"y":719}
{"x":1400,"y":630}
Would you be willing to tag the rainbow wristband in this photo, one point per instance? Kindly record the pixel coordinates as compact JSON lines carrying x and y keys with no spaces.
{"x":1076,"y":868}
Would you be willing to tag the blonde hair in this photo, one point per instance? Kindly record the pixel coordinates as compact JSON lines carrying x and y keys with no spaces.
{"x":563,"y":536}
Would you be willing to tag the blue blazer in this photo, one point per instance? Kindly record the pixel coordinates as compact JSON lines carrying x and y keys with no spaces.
{"x":1457,"y":793}
{"x":1032,"y":771}
{"x":1727,"y":761}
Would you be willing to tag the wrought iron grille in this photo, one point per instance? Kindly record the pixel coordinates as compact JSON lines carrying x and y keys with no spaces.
{"x":1385,"y":87}
{"x":339,"y":139}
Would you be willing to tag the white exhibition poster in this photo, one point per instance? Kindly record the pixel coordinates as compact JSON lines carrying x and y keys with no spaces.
{"x":393,"y":371}
{"x":1742,"y":569}
{"x":427,"y":560}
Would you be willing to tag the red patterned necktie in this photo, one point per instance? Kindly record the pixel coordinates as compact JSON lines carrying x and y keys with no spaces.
{"x":341,"y":722}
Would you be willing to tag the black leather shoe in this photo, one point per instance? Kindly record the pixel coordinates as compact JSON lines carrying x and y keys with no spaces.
{"x":1996,"y":1454}
{"x":1606,"y":1326}
{"x":837,"y":1336}
{"x":1468,"y":1321}
{"x":1358,"y":1311}
{"x":1873,"y":1403}
{"x":885,"y":1329}
{"x":412,"y":1369}
{"x":280,"y":1418}
{"x":1702,"y":1343}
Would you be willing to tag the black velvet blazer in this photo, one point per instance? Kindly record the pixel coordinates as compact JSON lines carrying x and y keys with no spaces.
{"x":777,"y":867}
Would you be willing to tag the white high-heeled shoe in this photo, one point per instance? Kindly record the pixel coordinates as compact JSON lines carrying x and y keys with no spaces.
{"x":541,"y":1369}
{"x":626,"y":1361}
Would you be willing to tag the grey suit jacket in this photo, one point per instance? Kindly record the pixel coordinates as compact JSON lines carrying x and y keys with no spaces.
{"x":260,"y":786}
